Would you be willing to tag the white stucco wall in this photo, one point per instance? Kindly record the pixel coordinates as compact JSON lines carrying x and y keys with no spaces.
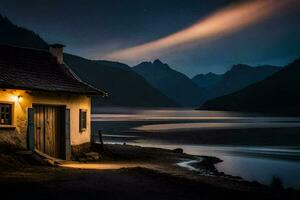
{"x":17,"y":133}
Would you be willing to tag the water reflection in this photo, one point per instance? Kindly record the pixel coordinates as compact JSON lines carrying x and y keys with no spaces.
{"x":262,"y":169}
{"x":213,"y":125}
{"x":188,"y":129}
{"x":251,"y":163}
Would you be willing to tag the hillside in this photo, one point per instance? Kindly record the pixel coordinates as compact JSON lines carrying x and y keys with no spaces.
{"x":125,"y":87}
{"x":18,"y":36}
{"x":114,"y":64}
{"x":279,"y":94}
{"x":173,"y":84}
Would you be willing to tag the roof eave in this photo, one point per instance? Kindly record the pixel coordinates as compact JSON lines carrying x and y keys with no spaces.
{"x":94,"y":93}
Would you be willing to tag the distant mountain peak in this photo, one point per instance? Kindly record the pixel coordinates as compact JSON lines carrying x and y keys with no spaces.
{"x":240,"y":66}
{"x":173,"y":84}
{"x":211,"y":74}
{"x":155,"y":65}
{"x":276,"y":94}
{"x":157,"y":62}
{"x":247,"y":67}
{"x":145,"y":63}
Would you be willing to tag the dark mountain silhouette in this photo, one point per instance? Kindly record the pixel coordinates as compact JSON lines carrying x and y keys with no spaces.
{"x":279,"y":94}
{"x":173,"y":84}
{"x":125,"y":87}
{"x":114,"y":64}
{"x":13,"y":35}
{"x":238,"y":77}
{"x":207,"y":80}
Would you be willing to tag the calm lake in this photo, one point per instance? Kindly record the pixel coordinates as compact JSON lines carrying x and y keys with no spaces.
{"x":255,"y":147}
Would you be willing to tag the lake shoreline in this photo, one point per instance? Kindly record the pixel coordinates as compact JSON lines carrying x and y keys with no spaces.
{"x":137,"y":171}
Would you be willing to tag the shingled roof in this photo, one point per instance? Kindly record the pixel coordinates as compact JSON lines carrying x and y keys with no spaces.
{"x":32,"y":69}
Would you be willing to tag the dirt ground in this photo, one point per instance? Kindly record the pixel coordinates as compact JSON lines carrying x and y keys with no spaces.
{"x":131,"y":173}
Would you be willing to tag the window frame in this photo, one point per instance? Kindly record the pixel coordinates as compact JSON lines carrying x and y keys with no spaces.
{"x":12,"y":108}
{"x":82,"y":125}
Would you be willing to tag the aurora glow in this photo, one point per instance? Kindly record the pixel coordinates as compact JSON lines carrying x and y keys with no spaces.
{"x":227,"y":20}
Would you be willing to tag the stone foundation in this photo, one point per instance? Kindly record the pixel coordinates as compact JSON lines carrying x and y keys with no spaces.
{"x":12,"y":137}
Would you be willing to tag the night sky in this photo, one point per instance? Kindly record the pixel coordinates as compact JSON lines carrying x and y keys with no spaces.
{"x":97,"y":29}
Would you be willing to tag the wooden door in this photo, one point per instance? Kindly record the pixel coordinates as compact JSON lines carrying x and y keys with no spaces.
{"x":48,"y":130}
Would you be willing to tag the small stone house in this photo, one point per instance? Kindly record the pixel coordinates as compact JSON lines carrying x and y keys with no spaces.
{"x":44,"y":106}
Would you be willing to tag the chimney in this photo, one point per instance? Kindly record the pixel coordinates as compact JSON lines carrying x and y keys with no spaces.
{"x":57,"y":50}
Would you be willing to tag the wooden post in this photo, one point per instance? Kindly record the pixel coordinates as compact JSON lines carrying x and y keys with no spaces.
{"x":100,"y":139}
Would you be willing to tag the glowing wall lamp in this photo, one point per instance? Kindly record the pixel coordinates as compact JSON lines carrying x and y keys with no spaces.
{"x":16,"y":98}
{"x":20,"y":99}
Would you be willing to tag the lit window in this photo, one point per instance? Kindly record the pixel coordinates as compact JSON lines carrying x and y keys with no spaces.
{"x":5,"y":114}
{"x":82,"y":119}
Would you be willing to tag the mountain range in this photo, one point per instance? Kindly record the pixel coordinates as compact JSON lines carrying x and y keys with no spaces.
{"x":155,"y":84}
{"x":278,"y":94}
{"x":238,"y":77}
{"x":170,"y":82}
{"x":125,"y":87}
